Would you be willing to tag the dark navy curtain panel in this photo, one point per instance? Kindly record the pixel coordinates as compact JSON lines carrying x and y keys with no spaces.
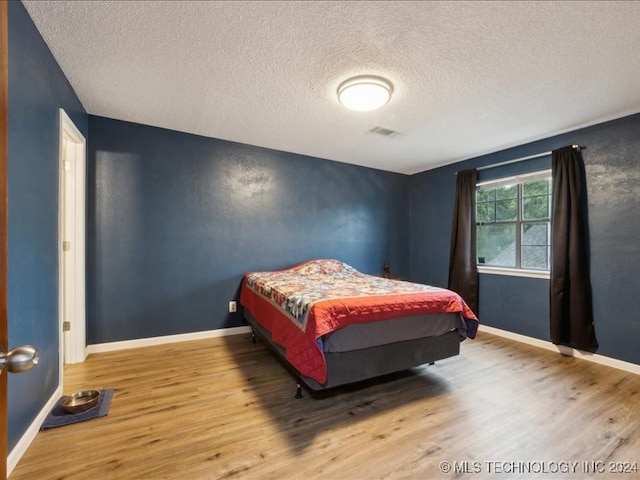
{"x":571,"y":307}
{"x":463,"y":267}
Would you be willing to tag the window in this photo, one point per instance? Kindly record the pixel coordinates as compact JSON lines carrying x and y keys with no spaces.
{"x":513,"y":222}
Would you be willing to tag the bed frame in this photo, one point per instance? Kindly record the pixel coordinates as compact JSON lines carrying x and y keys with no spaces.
{"x":349,"y":367}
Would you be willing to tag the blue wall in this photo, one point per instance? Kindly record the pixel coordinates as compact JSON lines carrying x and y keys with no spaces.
{"x":37,"y":89}
{"x":176,"y":219}
{"x":521,"y":305}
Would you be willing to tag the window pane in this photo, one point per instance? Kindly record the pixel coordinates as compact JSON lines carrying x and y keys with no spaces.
{"x":506,"y":192}
{"x":485,"y":195}
{"x":535,"y":257}
{"x":535,"y":187}
{"x":497,"y":245}
{"x":535,"y":208}
{"x":485,"y":212}
{"x":535,"y":245}
{"x":506,"y":210}
{"x":535,"y":234}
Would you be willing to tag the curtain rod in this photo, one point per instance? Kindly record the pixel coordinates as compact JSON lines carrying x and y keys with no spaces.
{"x":521,"y":159}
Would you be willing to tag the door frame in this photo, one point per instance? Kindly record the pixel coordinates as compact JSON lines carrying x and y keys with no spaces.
{"x":4,"y":174}
{"x":72,"y":307}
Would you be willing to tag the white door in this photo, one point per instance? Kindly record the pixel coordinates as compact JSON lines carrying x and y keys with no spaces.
{"x":72,"y":242}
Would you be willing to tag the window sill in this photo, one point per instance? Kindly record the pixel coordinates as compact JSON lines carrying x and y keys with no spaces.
{"x":514,"y":272}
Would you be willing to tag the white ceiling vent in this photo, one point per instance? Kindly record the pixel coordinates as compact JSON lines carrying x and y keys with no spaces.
{"x":385,"y":132}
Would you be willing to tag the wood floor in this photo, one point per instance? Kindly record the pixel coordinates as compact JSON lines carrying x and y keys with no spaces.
{"x":224,"y":409}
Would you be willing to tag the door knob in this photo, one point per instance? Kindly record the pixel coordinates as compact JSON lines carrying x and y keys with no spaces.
{"x":19,"y":359}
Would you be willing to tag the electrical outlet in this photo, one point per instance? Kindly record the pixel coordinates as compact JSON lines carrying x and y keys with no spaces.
{"x":232,"y":307}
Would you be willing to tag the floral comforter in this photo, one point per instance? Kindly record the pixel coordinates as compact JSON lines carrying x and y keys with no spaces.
{"x":301,"y":304}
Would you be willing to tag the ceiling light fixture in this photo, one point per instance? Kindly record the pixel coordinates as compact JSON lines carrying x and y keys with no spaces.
{"x":365,"y":93}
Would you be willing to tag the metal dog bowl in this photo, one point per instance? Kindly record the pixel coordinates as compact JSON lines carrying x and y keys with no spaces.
{"x":80,"y":401}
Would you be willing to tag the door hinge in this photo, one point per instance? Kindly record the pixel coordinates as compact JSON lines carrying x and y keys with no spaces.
{"x":66,"y":246}
{"x":66,"y":326}
{"x":67,"y":165}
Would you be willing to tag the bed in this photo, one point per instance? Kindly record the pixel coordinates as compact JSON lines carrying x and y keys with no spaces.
{"x":335,"y":325}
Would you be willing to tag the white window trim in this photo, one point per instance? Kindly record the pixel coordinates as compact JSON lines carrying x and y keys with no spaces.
{"x":514,"y":272}
{"x":516,"y":178}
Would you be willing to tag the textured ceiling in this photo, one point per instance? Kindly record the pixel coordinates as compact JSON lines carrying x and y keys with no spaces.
{"x":469,"y":77}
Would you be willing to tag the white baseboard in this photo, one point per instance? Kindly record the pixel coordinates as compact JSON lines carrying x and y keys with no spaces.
{"x":183,"y":337}
{"x":571,"y":352}
{"x":21,"y":447}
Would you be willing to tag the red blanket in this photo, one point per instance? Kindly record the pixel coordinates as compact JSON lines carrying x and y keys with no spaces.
{"x":301,"y":304}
